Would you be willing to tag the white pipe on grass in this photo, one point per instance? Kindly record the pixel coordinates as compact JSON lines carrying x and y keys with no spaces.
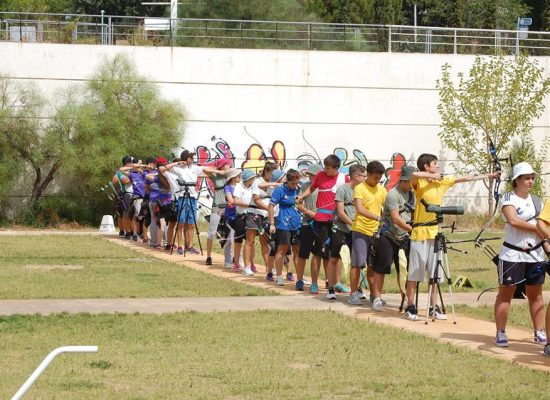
{"x":44,"y":364}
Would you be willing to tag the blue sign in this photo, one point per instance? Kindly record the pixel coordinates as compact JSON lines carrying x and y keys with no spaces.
{"x":525,"y":21}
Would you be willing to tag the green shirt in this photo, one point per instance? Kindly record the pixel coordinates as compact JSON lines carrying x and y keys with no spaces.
{"x":344,"y":194}
{"x":310,"y":202}
{"x":219,"y":196}
{"x":396,"y":200}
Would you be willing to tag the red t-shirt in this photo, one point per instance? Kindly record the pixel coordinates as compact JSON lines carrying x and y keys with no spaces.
{"x":326,"y":198}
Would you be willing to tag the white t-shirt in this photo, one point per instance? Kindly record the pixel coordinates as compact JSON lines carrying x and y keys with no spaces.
{"x":244,"y":194}
{"x":265,"y":196}
{"x":525,"y":210}
{"x":188,"y":174}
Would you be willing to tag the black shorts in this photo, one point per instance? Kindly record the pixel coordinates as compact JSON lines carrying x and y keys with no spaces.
{"x":337,"y":240}
{"x":239,"y":226}
{"x":286,"y":238}
{"x":321,"y":245}
{"x":510,"y":273}
{"x":307,"y":237}
{"x":273,"y":244}
{"x":387,"y":254}
{"x":127,"y":205}
{"x":168,"y":212}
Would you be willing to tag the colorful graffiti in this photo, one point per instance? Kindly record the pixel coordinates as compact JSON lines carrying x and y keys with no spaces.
{"x":256,"y":156}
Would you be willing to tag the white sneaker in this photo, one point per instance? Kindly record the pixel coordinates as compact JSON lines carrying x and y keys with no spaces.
{"x":228,"y":265}
{"x":248,"y":271}
{"x":377,"y":304}
{"x":440,"y":316}
{"x":331,"y":294}
{"x":354,"y":299}
{"x":361,"y":294}
{"x":280,"y":281}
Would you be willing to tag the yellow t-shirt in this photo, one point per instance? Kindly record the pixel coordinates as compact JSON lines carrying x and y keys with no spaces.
{"x":373,"y":200}
{"x":432,"y":192}
{"x":545,"y":213}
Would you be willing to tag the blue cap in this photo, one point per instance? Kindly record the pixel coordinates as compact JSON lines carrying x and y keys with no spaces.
{"x":277,"y":174}
{"x":248,"y":174}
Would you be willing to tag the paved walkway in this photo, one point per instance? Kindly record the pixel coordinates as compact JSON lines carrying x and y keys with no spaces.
{"x":467,"y":332}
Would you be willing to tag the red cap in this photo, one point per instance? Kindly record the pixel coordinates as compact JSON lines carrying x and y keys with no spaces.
{"x":221,"y":162}
{"x":162,"y":161}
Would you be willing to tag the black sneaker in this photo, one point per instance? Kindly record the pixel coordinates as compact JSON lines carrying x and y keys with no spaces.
{"x":439,"y":315}
{"x":331,"y":294}
{"x":128,"y":236}
{"x":121,"y":233}
{"x":135,"y":238}
{"x":411,"y":313}
{"x":167,"y":247}
{"x":208,"y":260}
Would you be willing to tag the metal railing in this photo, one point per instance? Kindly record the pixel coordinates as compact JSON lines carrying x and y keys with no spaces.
{"x":185,"y":32}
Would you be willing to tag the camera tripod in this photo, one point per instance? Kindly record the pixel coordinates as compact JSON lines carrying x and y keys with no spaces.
{"x":188,"y":208}
{"x":441,"y":266}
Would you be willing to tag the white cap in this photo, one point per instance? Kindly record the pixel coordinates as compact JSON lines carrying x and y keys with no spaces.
{"x":523,"y":168}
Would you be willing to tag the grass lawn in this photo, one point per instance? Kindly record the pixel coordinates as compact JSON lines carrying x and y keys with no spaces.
{"x":519,"y":314}
{"x":89,"y":267}
{"x":254,"y":355}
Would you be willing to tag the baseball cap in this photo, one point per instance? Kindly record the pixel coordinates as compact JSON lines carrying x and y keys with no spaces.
{"x":277,"y":174}
{"x":406,"y":172}
{"x":185,"y":154}
{"x":126,"y":160}
{"x":313,"y":169}
{"x":162,"y":161}
{"x":523,"y":168}
{"x":221,"y":162}
{"x":248,"y":174}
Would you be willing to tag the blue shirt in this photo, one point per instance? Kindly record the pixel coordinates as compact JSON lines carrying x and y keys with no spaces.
{"x":138,"y":182}
{"x":229,"y":212}
{"x":289,"y":218}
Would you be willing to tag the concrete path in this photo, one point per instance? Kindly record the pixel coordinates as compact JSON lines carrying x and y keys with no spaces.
{"x":467,"y":332}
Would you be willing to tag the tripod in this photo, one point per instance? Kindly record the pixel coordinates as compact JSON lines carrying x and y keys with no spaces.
{"x":186,"y":206}
{"x":441,"y":264}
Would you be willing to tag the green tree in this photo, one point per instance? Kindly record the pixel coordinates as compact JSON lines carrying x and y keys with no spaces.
{"x":523,"y":149}
{"x":343,"y":11}
{"x":119,"y":113}
{"x":497,"y":101}
{"x":77,"y":139}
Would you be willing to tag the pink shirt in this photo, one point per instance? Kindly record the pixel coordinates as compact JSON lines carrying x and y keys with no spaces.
{"x":326,"y":198}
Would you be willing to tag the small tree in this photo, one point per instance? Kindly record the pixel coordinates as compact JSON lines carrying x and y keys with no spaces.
{"x":498,"y":100}
{"x":77,"y":139}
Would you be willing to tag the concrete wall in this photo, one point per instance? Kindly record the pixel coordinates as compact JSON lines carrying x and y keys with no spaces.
{"x":363,"y":106}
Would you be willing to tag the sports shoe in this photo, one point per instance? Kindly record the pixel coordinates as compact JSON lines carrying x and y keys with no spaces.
{"x":314,"y":288}
{"x":135,"y":238}
{"x":372,"y":298}
{"x":167,"y":247}
{"x":248,"y":271}
{"x":236,"y":267}
{"x":180,"y":250}
{"x":546,"y":351}
{"x":377,"y":304}
{"x":289,"y":277}
{"x":299,"y":285}
{"x":306,"y":282}
{"x":128,"y":236}
{"x":208,"y":260}
{"x":438,"y":314}
{"x":411,"y":313}
{"x":227,"y":266}
{"x":331,"y":294}
{"x":341,"y":288}
{"x":269,"y":277}
{"x":501,"y":339}
{"x":192,"y":250}
{"x":253,"y":268}
{"x":354,"y":299}
{"x":540,"y":337}
{"x":121,"y":233}
{"x":361,"y":294}
{"x":280,"y":281}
